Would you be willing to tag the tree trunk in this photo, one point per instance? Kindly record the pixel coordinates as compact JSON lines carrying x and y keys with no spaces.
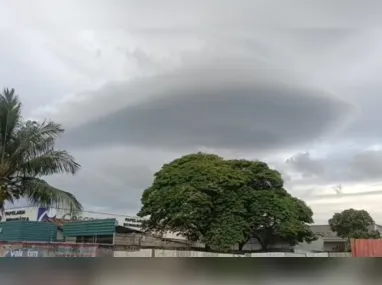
{"x":263,"y":243}
{"x":264,"y":246}
{"x":242,"y":244}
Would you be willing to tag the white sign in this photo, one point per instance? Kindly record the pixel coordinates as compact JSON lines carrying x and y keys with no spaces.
{"x":126,"y":221}
{"x":43,"y":215}
{"x":20,"y":214}
{"x":132,"y":222}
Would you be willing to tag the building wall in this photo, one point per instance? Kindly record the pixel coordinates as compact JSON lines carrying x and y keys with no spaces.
{"x":52,"y":249}
{"x":28,"y":231}
{"x":314,"y":246}
{"x":378,"y":228}
{"x":323,"y":230}
{"x":184,"y":253}
{"x":334,"y":246}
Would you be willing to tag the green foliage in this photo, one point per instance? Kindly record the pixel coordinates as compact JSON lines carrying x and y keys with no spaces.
{"x":351,"y":223}
{"x":224,"y":202}
{"x":27,"y":154}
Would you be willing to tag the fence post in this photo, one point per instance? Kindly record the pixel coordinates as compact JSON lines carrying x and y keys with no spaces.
{"x":152,"y":252}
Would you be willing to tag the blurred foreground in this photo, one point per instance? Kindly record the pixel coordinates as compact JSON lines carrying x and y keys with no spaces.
{"x":189,"y":271}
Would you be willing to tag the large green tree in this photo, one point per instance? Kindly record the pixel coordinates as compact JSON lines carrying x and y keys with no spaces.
{"x":353,"y":223}
{"x":27,"y":154}
{"x":224,"y":202}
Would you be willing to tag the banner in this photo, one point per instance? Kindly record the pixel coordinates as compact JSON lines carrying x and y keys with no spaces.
{"x":19,"y":250}
{"x":52,"y":250}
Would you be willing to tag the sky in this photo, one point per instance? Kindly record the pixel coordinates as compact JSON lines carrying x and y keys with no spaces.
{"x":137,"y":84}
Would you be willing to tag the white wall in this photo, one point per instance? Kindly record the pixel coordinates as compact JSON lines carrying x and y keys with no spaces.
{"x":175,"y":253}
{"x":141,"y":253}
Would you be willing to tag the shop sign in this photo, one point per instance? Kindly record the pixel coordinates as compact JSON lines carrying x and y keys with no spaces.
{"x":132,"y":222}
{"x":24,"y":252}
{"x":69,"y":217}
{"x":15,"y":215}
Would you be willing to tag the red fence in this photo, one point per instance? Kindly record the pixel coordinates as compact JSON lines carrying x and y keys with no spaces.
{"x":26,"y":249}
{"x":366,"y":248}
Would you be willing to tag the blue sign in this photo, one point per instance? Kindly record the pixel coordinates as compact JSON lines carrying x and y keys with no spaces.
{"x":45,"y":215}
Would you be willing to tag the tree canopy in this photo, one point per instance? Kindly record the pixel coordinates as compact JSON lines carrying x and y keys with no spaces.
{"x":353,"y":223}
{"x":224,"y":203}
{"x":27,"y":154}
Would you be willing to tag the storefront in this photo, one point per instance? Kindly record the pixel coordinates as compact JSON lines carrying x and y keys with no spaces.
{"x":44,"y":215}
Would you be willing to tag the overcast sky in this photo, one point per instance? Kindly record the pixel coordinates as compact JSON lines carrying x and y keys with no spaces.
{"x":139,"y":83}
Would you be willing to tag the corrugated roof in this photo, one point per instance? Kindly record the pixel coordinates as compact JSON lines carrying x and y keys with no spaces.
{"x":89,"y":228}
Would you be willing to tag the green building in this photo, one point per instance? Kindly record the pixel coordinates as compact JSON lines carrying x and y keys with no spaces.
{"x":95,"y":231}
{"x":17,"y":231}
{"x":104,"y":231}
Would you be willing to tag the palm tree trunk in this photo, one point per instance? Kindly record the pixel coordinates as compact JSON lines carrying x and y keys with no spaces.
{"x":1,"y":210}
{"x":2,"y":202}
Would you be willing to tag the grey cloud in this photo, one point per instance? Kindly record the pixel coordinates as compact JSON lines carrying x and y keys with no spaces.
{"x":357,"y":194}
{"x":367,"y":97}
{"x":303,"y":163}
{"x":226,"y":102}
{"x":367,"y":165}
{"x":348,"y":167}
{"x":237,"y":101}
{"x":110,"y":179}
{"x":114,"y":193}
{"x":321,"y":40}
{"x":237,"y":13}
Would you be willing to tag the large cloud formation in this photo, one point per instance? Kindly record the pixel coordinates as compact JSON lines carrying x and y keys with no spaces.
{"x":180,"y":77}
{"x":220,"y":102}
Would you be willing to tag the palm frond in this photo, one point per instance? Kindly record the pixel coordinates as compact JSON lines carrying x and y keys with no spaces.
{"x":51,"y":162}
{"x":27,"y":152}
{"x":35,"y":138}
{"x":38,"y":192}
{"x":10,"y":117}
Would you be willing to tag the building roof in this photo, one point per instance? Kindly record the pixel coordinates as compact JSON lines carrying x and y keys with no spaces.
{"x":326,"y":233}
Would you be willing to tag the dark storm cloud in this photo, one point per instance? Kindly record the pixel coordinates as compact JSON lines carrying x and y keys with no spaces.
{"x":227,"y":102}
{"x":367,"y":97}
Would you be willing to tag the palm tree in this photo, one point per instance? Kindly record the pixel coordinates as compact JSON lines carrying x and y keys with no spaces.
{"x":27,"y":154}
